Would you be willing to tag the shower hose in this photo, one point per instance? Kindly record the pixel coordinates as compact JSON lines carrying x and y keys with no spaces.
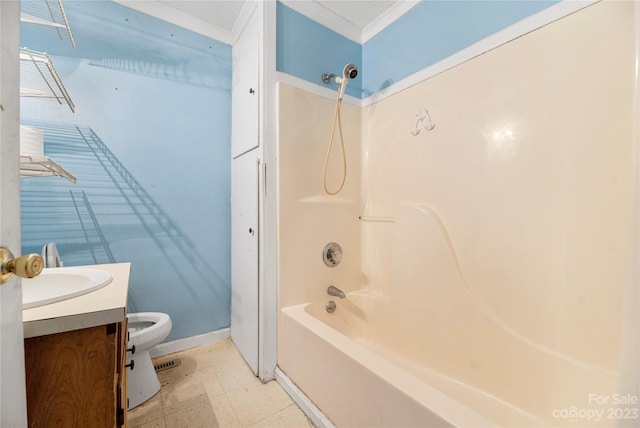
{"x":336,"y":118}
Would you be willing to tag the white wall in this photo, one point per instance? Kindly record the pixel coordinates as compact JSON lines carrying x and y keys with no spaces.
{"x":308,"y":218}
{"x":529,"y":168}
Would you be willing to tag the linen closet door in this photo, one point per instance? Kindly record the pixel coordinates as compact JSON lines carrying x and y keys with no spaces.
{"x":245,"y":164}
{"x":244,"y":256}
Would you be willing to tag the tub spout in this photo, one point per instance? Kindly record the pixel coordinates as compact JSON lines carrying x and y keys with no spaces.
{"x":335,"y":291}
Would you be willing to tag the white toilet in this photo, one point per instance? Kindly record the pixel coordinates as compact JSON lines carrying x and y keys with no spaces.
{"x":146,"y":330}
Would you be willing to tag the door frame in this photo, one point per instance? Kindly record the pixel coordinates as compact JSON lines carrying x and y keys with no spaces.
{"x":268,"y":247}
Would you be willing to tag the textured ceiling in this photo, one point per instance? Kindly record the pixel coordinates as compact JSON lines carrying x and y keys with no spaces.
{"x":360,"y":13}
{"x":224,"y":13}
{"x":221,"y":13}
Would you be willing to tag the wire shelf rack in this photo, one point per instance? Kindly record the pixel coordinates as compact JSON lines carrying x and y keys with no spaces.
{"x":38,"y":78}
{"x":47,"y":16}
{"x":41,"y":166}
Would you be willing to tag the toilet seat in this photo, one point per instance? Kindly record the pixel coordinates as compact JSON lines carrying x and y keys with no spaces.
{"x":144,"y":335}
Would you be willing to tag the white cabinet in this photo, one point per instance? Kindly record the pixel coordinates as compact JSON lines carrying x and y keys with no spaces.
{"x":245,"y":185}
{"x":244,"y":256}
{"x":245,"y":94}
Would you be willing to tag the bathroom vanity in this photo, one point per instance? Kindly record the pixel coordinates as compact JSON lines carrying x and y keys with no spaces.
{"x":75,"y":356}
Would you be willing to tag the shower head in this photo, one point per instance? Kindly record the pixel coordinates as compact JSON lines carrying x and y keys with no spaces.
{"x":350,"y":72}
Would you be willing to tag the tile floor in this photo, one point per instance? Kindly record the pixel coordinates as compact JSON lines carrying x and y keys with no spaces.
{"x":214,"y":387}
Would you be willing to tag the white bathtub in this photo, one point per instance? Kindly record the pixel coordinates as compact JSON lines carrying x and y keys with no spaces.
{"x":362,"y":368}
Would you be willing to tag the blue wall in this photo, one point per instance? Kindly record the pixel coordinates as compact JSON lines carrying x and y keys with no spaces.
{"x":432,"y":31}
{"x":150,"y":146}
{"x":307,"y":50}
{"x":428,"y":33}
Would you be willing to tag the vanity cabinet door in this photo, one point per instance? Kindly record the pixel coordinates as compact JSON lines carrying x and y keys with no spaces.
{"x":121,"y":394}
{"x":74,"y":378}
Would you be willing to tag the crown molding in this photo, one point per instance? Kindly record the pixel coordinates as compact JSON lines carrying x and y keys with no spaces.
{"x":173,"y":16}
{"x":325,"y":17}
{"x":387,"y":18}
{"x":243,"y":18}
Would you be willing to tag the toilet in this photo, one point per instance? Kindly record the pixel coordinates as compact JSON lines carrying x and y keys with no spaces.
{"x":146,"y":330}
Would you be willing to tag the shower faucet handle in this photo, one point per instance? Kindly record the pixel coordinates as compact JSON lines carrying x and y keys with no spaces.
{"x":332,"y":254}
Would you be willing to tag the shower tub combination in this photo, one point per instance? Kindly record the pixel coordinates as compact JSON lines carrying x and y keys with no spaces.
{"x":435,"y":354}
{"x":493,"y":294}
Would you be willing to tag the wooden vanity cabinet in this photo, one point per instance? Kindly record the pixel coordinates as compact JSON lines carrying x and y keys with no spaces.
{"x":78,"y":378}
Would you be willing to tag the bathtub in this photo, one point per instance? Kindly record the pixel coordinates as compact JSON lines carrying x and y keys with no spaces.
{"x":361,"y":367}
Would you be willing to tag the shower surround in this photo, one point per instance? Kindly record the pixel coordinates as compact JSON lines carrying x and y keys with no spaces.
{"x":486,"y":262}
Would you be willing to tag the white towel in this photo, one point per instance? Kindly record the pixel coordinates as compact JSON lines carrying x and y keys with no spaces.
{"x":31,"y":141}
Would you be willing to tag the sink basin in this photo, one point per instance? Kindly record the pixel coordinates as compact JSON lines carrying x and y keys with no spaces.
{"x":56,"y":284}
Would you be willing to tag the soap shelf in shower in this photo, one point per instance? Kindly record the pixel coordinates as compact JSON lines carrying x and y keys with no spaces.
{"x":47,"y":15}
{"x":38,"y":78}
{"x":41,"y":166}
{"x":377,"y":219}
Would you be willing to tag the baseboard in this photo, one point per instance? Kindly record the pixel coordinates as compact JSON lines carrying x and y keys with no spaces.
{"x":306,"y":405}
{"x":188,"y":342}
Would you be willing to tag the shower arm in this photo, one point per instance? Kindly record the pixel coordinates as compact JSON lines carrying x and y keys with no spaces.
{"x":326,"y":78}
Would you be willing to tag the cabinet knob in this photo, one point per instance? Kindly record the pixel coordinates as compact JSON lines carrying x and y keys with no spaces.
{"x":132,"y":350}
{"x":251,"y":91}
{"x":130,"y":365}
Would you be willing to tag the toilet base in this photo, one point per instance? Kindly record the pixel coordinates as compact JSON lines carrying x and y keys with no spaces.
{"x":143,"y":381}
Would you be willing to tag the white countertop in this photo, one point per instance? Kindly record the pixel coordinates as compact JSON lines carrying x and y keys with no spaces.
{"x":103,"y":306}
